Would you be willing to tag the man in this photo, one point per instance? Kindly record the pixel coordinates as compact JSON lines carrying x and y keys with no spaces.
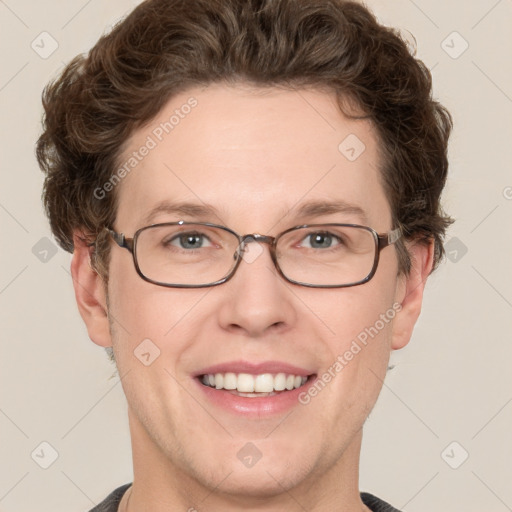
{"x":251,"y":192}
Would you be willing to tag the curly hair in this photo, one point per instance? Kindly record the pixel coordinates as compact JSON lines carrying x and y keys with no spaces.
{"x":166,"y":46}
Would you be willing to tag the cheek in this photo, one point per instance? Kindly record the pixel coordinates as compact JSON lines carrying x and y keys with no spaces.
{"x":355,"y":314}
{"x":146,"y":316}
{"x":145,"y":308}
{"x":152,"y":331}
{"x":358,"y":323}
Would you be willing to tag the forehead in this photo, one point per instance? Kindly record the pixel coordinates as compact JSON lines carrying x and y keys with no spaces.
{"x":253,"y":156}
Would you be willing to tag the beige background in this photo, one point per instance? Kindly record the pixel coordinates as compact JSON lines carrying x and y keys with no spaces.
{"x":452,"y":383}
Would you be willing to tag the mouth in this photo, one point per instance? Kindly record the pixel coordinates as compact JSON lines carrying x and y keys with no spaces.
{"x":254,"y":390}
{"x":254,"y":386}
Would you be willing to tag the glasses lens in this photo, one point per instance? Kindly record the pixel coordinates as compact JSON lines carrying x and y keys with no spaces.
{"x":186,"y":254}
{"x":327,"y":255}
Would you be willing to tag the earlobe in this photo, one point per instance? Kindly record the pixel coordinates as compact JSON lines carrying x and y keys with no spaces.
{"x":410,"y":292}
{"x":89,"y":292}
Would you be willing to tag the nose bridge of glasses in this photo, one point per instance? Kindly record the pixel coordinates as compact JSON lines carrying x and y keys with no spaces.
{"x":244,"y":240}
{"x":255,"y":237}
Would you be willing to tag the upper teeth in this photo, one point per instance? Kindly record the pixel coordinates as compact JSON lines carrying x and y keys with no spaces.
{"x":247,"y":383}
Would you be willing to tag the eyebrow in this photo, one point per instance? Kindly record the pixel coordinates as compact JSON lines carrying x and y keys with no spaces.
{"x":186,"y":209}
{"x":307,"y":210}
{"x":319,"y":208}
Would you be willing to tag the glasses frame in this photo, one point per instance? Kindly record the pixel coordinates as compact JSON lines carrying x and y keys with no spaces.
{"x":381,"y":240}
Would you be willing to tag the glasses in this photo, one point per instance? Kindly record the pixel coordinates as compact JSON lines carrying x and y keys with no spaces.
{"x":198,"y":254}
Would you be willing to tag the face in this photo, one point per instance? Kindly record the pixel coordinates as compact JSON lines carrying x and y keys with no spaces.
{"x":252,"y":159}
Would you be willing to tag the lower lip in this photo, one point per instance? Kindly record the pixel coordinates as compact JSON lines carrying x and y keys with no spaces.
{"x":255,"y":406}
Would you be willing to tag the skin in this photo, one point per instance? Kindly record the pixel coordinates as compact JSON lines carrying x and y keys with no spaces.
{"x":255,"y":155}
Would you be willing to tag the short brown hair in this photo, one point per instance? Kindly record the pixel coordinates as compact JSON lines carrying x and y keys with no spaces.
{"x":166,"y":46}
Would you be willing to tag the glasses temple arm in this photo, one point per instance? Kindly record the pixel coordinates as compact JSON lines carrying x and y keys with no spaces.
{"x":121,"y":240}
{"x":389,"y":238}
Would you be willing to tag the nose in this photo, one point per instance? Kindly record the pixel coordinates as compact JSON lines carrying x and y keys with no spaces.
{"x":256,"y":300}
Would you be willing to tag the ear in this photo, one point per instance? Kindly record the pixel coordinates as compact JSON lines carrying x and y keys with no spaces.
{"x":89,"y":292}
{"x":410,"y":292}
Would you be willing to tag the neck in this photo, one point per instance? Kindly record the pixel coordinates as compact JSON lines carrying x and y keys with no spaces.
{"x":164,"y":482}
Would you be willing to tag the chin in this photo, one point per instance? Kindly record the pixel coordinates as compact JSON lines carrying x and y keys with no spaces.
{"x":260,"y":479}
{"x":257,"y":484}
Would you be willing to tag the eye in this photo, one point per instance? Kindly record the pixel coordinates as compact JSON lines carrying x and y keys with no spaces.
{"x":320,"y":240}
{"x":189,"y":241}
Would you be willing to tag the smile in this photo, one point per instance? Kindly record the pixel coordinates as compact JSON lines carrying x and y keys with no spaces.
{"x":248,"y":385}
{"x":254,"y":389}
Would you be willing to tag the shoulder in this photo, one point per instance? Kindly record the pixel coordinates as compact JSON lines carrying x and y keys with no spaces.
{"x":111,"y":502}
{"x":376,"y":504}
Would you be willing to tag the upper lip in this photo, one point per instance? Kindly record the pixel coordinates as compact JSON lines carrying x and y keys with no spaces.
{"x":254,"y":368}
